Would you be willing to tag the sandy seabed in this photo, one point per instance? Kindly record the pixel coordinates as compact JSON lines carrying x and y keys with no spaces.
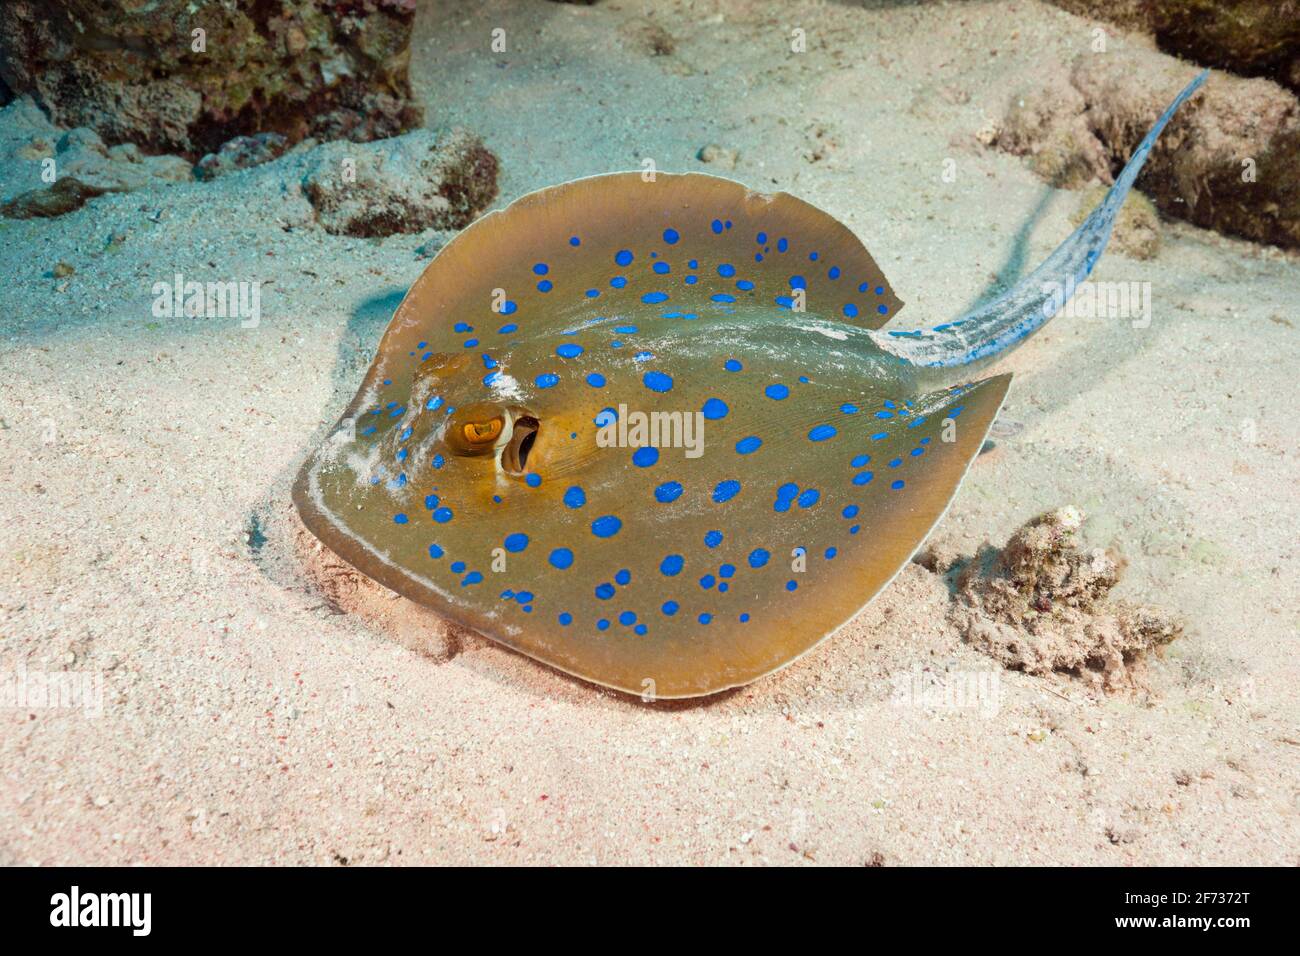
{"x":148,"y":539}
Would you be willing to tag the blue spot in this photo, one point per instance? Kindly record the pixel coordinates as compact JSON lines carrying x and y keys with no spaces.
{"x":708,"y":581}
{"x":671,"y":565}
{"x":758,"y":557}
{"x":671,"y":236}
{"x":575,"y":241}
{"x":862,"y":478}
{"x":507,"y":328}
{"x":731,"y":365}
{"x":850,"y":310}
{"x":860,"y":460}
{"x":777,"y":391}
{"x":809,"y":498}
{"x":545,"y":286}
{"x":596,"y":380}
{"x":798,"y":282}
{"x":662,"y":268}
{"x":821,"y":433}
{"x":761,"y":238}
{"x":623,"y":257}
{"x":882,"y":309}
{"x":400,"y":518}
{"x":652,"y":297}
{"x":726,"y":490}
{"x":645,"y":457}
{"x":569,"y":350}
{"x":668,"y":491}
{"x":658,"y":382}
{"x":726,"y":270}
{"x":561,"y":558}
{"x":712,"y":538}
{"x":463,"y":327}
{"x":749,"y":445}
{"x":716,"y":226}
{"x":627,"y":618}
{"x":436,"y":552}
{"x":722,"y":297}
{"x":830,"y":553}
{"x":706,"y":618}
{"x":606,"y":526}
{"x":605,"y":591}
{"x":602,"y":625}
{"x":625,"y":329}
{"x":715,"y":408}
{"x":781,"y":246}
{"x":792,"y":585}
{"x":895,"y":463}
{"x":458,"y":566}
{"x":516,"y":542}
{"x":917,"y":452}
{"x":849,"y":409}
{"x":438,"y":461}
{"x":509,"y":308}
{"x":443,"y":515}
{"x":623,"y":577}
{"x":669,"y":608}
{"x":540,"y":269}
{"x":834,"y":273}
{"x":593,"y":293}
{"x":640,"y":629}
{"x":533,"y":480}
{"x":547,"y":380}
{"x":566,"y":619}
{"x":618,"y":282}
{"x":897,"y":484}
{"x":575,"y":497}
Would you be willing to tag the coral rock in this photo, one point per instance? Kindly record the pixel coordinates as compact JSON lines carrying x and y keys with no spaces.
{"x":1230,"y":160}
{"x":1041,"y":605}
{"x":175,"y":76}
{"x":406,"y":184}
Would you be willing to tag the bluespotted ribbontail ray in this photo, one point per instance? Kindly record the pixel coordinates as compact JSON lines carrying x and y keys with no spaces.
{"x":471,"y":471}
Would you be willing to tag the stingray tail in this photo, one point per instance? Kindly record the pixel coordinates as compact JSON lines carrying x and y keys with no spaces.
{"x":990,"y":330}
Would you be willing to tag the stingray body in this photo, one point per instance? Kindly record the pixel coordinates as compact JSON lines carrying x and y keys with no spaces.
{"x":651,"y":431}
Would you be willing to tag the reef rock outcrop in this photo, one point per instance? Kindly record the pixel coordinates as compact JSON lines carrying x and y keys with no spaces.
{"x":173,"y":76}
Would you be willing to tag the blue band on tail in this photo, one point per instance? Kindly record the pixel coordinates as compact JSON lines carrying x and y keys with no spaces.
{"x":1002,"y":324}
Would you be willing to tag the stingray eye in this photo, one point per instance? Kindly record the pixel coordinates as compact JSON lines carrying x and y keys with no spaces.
{"x":484,"y":432}
{"x":478,"y":429}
